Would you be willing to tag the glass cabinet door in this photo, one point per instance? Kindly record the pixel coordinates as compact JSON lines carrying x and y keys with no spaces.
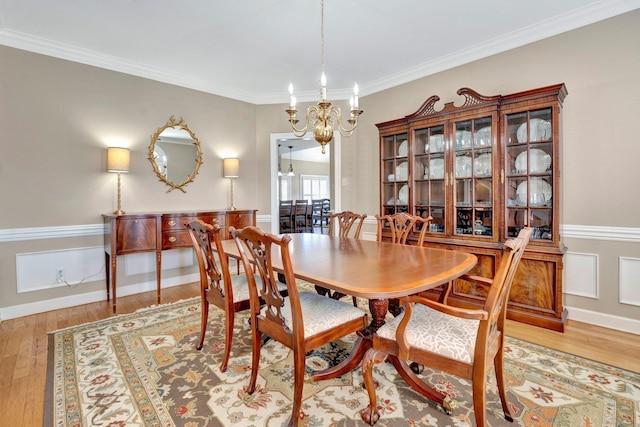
{"x":529,"y":170}
{"x":429,"y":175}
{"x":472,"y":177}
{"x":395,"y":174}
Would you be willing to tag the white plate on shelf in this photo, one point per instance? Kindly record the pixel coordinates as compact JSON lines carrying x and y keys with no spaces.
{"x":403,"y":149}
{"x":483,"y":137}
{"x":482,"y":165}
{"x":540,"y":130}
{"x":463,"y":139}
{"x":402,"y":171}
{"x":403,"y":195}
{"x":436,"y":144}
{"x":463,"y":166}
{"x":540,"y":193}
{"x":539,"y":162}
{"x":436,"y":169}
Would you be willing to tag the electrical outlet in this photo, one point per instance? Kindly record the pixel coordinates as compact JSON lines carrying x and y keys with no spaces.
{"x":60,"y":275}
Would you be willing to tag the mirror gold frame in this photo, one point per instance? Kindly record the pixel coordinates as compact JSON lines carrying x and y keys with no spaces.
{"x":181,"y":124}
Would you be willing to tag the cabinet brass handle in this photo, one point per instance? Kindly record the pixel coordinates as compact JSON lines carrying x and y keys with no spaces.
{"x":215,"y":221}
{"x":172,"y":239}
{"x":172,"y":223}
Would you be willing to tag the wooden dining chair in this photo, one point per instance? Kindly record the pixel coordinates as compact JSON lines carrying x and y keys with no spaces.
{"x":401,"y":225}
{"x":302,"y":321}
{"x":343,"y":223}
{"x":217,"y":286}
{"x":460,"y":341}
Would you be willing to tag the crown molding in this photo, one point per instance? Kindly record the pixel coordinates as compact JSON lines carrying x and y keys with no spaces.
{"x":584,"y":16}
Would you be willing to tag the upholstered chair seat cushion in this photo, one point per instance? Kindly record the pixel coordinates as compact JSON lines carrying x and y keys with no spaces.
{"x":436,"y":332}
{"x":241,"y":288}
{"x":320,"y":313}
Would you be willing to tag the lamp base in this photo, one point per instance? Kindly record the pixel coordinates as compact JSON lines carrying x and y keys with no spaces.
{"x":119,"y":212}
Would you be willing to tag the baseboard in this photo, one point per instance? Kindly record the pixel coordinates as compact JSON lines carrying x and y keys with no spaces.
{"x":623,"y":324}
{"x":89,"y":297}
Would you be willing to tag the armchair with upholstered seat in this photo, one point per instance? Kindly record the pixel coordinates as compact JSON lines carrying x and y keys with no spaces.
{"x":463,"y":342}
{"x":302,"y":321}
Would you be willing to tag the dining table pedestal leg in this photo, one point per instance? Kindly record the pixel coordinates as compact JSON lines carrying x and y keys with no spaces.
{"x":378,"y":309}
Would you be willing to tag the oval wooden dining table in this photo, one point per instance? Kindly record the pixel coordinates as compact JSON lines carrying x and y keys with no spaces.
{"x":367,"y":269}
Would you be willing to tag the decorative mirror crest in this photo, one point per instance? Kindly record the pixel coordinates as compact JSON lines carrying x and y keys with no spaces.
{"x":172,"y":150}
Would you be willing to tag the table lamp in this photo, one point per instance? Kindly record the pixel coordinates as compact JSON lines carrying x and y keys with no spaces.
{"x":230,"y":169}
{"x":118,"y":161}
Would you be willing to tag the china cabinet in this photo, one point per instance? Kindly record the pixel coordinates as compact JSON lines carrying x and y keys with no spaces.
{"x":483,"y":170}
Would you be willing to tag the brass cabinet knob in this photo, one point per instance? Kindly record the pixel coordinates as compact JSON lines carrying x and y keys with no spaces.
{"x":215,"y":221}
{"x":172,"y":239}
{"x":172,"y":223}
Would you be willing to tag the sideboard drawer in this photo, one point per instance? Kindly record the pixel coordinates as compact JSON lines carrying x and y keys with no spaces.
{"x":175,"y":239}
{"x":176,"y":222}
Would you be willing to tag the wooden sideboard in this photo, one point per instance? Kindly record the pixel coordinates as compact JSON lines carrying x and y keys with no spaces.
{"x":158,"y":231}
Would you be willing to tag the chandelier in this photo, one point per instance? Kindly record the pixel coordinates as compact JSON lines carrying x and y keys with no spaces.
{"x":324,"y":117}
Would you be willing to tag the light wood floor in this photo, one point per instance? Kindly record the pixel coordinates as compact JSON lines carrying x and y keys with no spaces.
{"x":23,"y":348}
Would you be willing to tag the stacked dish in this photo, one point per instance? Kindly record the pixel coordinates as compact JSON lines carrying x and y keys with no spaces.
{"x":482,"y":138}
{"x":540,"y":193}
{"x":538,"y":163}
{"x":540,"y":131}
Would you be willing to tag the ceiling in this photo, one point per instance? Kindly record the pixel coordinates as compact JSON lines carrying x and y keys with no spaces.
{"x":250,"y":50}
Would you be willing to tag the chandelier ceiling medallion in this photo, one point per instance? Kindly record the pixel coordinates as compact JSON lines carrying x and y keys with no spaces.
{"x":324,"y":117}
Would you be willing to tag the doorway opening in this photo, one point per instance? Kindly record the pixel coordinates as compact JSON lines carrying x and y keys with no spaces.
{"x":305,"y":156}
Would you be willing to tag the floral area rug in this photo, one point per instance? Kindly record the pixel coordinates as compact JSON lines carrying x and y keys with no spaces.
{"x":142,"y":369}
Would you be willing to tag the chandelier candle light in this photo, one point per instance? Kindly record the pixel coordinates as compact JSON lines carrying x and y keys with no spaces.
{"x":323,"y":117}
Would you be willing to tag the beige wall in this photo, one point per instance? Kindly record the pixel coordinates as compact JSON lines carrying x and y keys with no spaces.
{"x":57,"y":119}
{"x":62,"y":115}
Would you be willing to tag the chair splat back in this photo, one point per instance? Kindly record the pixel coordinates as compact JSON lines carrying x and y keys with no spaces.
{"x":346,"y":220}
{"x":257,"y":249}
{"x":401,"y":225}
{"x":211,"y":277}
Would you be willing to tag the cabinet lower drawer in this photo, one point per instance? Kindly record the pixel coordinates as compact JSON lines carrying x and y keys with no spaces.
{"x":175,"y":239}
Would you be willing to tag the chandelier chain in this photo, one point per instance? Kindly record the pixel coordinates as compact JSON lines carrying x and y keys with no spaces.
{"x":322,"y":35}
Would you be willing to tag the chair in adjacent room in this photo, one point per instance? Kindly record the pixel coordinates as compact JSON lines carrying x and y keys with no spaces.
{"x":466,"y":343}
{"x":302,"y":321}
{"x":301,"y":216}
{"x":318,"y":220}
{"x":286,"y":216}
{"x":217,"y":286}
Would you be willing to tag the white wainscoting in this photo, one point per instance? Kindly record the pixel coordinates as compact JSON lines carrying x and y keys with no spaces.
{"x":629,"y":280}
{"x":581,"y":270}
{"x":581,"y":274}
{"x":36,"y":271}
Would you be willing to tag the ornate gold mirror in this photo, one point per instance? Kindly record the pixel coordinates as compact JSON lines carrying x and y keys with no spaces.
{"x":175,"y":154}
